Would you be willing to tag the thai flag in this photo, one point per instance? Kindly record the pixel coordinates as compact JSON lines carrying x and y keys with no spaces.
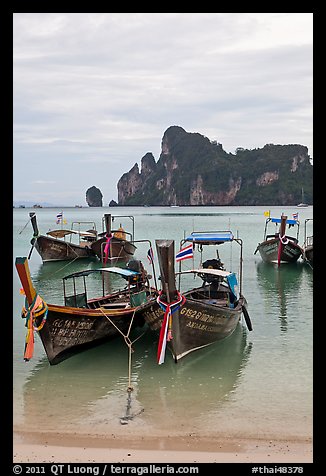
{"x":295,"y":216}
{"x":150,"y":256}
{"x":59,"y":217}
{"x":185,"y":253}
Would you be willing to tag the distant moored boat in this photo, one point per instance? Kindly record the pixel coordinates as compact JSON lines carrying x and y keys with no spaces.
{"x":279,"y":247}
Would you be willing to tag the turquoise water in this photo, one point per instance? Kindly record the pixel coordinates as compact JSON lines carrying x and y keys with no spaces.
{"x":256,"y":384}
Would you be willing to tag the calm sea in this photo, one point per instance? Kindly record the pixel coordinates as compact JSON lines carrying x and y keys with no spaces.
{"x":256,"y":384}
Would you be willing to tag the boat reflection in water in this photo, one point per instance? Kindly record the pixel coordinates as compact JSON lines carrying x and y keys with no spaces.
{"x":190,"y":392}
{"x":87,"y":389}
{"x":90,"y":390}
{"x":280,"y":287}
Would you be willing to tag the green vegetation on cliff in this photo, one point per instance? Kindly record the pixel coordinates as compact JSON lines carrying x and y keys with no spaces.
{"x":192,"y":170}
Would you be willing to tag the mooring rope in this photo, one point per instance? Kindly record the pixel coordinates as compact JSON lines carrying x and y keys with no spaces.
{"x":21,"y":231}
{"x":128,"y":416}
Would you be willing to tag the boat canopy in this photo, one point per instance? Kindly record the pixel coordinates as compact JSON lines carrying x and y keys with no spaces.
{"x":126,"y":273}
{"x":288,"y":222}
{"x":214,"y":237}
{"x":62,"y":233}
{"x":211,"y":271}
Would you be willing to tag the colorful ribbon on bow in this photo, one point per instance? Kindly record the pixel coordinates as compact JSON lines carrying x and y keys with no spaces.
{"x":166,"y":329}
{"x":37,"y":307}
{"x":106,"y":248}
{"x":283,"y":240}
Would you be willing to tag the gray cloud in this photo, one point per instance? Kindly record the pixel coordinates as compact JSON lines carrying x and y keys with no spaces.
{"x":94,"y":92}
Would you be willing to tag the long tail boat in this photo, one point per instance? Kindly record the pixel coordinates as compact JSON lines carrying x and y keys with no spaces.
{"x":280,"y":247}
{"x":82,"y":322}
{"x":64,"y":244}
{"x":189,"y":320}
{"x":114,"y":244}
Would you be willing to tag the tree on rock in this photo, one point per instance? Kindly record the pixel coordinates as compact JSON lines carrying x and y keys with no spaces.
{"x":94,"y":197}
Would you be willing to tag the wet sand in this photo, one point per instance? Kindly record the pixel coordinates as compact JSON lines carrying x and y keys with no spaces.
{"x":72,"y":448}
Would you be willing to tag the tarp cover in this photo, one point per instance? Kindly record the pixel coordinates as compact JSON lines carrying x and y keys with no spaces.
{"x":113,"y":269}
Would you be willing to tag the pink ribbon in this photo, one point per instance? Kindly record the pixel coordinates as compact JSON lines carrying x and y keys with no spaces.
{"x":106,"y":248}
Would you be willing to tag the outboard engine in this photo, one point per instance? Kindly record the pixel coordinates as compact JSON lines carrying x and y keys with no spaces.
{"x":212,"y":264}
{"x":137,"y":265}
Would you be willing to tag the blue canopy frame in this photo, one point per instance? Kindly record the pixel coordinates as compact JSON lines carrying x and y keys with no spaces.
{"x":214,"y":238}
{"x":288,"y":222}
{"x":210,"y":237}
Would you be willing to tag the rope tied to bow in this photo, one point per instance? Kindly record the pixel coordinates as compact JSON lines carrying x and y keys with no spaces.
{"x":166,"y":329}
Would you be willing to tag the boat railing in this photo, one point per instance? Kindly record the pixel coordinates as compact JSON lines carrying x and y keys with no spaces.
{"x":277,"y":221}
{"x":309,"y":241}
{"x":81,"y":227}
{"x":203,"y":238}
{"x":111,"y":219}
{"x":305,"y":230}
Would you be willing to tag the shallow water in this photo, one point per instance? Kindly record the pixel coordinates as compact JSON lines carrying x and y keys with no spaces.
{"x":255,"y":383}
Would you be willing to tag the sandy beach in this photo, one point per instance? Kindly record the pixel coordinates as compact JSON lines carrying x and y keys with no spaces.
{"x":72,"y":448}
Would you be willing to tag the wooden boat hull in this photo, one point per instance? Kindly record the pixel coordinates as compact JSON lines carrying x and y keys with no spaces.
{"x":68,"y":331}
{"x":81,"y":323}
{"x":51,"y":249}
{"x":198,"y":324}
{"x":269,"y":251}
{"x":121,"y":250}
{"x":308,"y":244}
{"x":308,"y":254}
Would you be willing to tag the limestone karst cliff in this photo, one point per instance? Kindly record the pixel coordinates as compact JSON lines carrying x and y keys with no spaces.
{"x":94,"y":197}
{"x":192,"y":170}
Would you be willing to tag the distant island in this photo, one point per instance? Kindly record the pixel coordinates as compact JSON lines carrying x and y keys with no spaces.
{"x":194,"y":171}
{"x":94,"y":197}
{"x":29,"y":204}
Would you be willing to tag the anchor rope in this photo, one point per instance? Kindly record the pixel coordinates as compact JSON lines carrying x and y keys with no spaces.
{"x":124,"y":420}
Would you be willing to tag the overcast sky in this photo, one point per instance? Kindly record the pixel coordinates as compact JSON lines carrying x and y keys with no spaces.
{"x":94,"y":92}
